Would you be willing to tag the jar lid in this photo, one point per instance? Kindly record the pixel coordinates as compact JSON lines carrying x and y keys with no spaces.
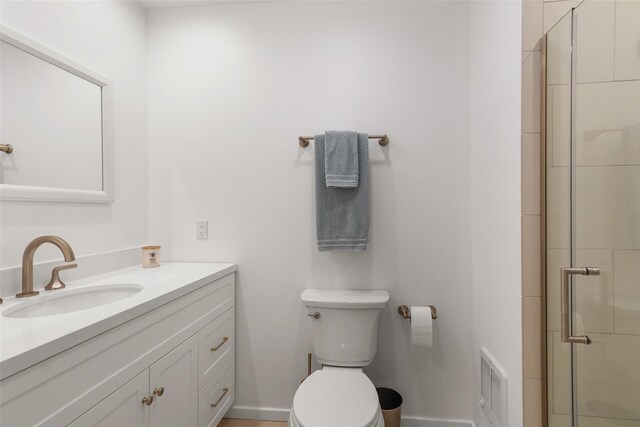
{"x":151,"y":247}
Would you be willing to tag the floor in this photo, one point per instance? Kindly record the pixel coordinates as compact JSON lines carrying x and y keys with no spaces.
{"x":250,"y":423}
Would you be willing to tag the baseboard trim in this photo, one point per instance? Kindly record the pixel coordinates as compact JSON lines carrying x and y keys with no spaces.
{"x":434,"y":422}
{"x":280,"y":414}
{"x":253,"y":413}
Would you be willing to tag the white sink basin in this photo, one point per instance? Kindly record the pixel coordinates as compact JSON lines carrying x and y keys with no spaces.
{"x":68,"y":301}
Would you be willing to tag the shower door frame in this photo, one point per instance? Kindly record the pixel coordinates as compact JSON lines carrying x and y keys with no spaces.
{"x":543,"y":223}
{"x":543,"y":232}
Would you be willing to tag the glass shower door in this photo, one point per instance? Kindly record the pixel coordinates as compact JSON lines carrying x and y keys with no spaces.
{"x":593,"y":216}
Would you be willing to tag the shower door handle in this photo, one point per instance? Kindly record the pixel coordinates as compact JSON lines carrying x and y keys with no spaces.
{"x":566,"y":307}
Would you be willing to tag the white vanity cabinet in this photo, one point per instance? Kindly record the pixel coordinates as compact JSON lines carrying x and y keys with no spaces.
{"x":166,"y":394}
{"x":121,"y":408}
{"x":172,"y":366}
{"x":174,"y":387}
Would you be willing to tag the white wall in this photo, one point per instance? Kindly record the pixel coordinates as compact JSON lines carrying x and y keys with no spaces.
{"x":110,"y":38}
{"x":495,"y":194}
{"x":230,"y":89}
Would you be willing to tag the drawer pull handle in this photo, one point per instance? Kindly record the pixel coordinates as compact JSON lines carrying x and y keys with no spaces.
{"x":224,"y":340}
{"x":148,"y":400}
{"x":159,"y":391}
{"x":224,"y":392}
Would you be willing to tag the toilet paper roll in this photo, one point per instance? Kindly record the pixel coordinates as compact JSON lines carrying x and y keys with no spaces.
{"x":421,"y":327}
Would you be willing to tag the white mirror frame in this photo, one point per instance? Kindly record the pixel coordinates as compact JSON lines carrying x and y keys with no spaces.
{"x":31,"y":193}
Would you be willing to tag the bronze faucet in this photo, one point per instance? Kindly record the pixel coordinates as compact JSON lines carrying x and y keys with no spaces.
{"x":27,"y":261}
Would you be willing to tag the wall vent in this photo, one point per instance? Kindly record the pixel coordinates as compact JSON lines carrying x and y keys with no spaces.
{"x":493,"y":389}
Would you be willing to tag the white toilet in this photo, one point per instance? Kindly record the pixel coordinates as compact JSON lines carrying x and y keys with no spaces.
{"x":345,"y":338}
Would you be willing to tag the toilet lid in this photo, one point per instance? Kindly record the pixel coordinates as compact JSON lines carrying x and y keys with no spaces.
{"x":336,"y":397}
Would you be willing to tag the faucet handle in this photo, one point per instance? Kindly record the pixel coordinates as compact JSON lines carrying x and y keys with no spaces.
{"x":55,"y":282}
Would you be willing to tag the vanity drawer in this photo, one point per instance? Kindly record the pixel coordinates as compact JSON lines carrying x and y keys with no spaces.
{"x":216,"y":341}
{"x":217,"y":395}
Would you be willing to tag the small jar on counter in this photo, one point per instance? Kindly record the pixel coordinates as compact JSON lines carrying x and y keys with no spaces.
{"x":150,"y":256}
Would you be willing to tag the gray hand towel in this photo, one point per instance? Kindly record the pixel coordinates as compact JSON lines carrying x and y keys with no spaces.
{"x":341,"y":159}
{"x":342,"y":214}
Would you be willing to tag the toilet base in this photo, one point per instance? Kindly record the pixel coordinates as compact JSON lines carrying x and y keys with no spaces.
{"x":292,"y":422}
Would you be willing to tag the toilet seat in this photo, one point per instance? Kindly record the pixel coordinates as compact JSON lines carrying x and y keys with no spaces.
{"x":336,"y":397}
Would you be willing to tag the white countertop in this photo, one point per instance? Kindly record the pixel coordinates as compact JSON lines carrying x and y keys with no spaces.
{"x":27,"y":341}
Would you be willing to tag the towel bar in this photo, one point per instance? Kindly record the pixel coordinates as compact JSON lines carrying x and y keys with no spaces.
{"x":383,"y":140}
{"x":403,"y":310}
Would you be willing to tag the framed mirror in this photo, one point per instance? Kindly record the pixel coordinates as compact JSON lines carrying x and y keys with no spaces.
{"x":55,"y":126}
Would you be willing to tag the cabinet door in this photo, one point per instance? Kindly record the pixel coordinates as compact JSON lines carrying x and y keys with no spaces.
{"x":174,"y":382}
{"x":122,"y":408}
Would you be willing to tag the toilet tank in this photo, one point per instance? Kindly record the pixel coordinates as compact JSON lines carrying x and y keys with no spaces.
{"x":346,"y":332}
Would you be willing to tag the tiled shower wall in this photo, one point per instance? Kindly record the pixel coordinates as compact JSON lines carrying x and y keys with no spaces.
{"x":538,"y":17}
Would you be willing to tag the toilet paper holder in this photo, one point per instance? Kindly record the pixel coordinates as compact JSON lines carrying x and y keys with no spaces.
{"x":404,"y":311}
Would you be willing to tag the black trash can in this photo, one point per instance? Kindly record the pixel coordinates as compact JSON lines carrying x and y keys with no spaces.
{"x":390,"y":402}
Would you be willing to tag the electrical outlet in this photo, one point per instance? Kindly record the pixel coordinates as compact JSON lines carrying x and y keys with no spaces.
{"x":202,"y":230}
